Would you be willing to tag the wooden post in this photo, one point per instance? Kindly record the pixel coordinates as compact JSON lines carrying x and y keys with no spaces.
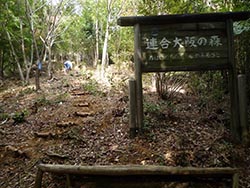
{"x":39,"y":177}
{"x":243,"y":107}
{"x":235,"y":180}
{"x":233,"y":85}
{"x":132,"y":107}
{"x":68,"y":182}
{"x":138,"y":76}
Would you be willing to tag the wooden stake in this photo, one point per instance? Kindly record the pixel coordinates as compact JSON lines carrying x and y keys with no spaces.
{"x":39,"y":177}
{"x":233,"y":85}
{"x":138,"y":76}
{"x":243,"y":107}
{"x":132,"y":107}
{"x":235,"y":180}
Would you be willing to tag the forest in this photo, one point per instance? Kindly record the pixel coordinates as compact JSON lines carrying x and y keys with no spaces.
{"x":81,"y":116}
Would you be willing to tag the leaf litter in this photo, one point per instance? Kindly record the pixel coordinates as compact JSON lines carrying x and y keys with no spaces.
{"x":69,"y":125}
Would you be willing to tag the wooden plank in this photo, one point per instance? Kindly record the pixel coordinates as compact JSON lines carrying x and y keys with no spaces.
{"x":201,"y":26}
{"x":182,"y":18}
{"x":162,"y":64}
{"x":193,"y":26}
{"x":115,"y":175}
{"x":193,"y":67}
{"x":183,"y":48}
{"x":84,"y":114}
{"x":186,"y":57}
{"x":187,"y":68}
{"x":138,"y":76}
{"x":125,"y":170}
{"x":85,"y":104}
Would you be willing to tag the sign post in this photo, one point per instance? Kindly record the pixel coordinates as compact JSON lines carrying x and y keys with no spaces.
{"x":185,"y":42}
{"x":138,"y":76}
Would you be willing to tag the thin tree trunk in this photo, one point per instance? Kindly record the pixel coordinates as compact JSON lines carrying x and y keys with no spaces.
{"x":1,"y":64}
{"x":50,"y":74}
{"x":16,"y":58}
{"x":96,"y":44}
{"x":105,"y":45}
{"x":104,"y":51}
{"x":34,"y":45}
{"x":26,"y":63}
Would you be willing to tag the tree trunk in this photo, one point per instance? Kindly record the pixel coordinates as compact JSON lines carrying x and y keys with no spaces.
{"x":104,"y":51}
{"x":96,"y":43}
{"x":96,"y":54}
{"x":16,"y":59}
{"x":37,"y":79}
{"x":50,"y":74}
{"x":30,"y":17}
{"x":105,"y":45}
{"x":26,"y":63}
{"x":160,"y":80}
{"x":1,"y":64}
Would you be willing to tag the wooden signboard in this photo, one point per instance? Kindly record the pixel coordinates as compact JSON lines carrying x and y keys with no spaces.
{"x":184,"y":42}
{"x":187,"y":46}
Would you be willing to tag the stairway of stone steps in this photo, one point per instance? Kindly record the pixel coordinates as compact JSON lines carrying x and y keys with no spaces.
{"x":82,"y":107}
{"x":79,"y":114}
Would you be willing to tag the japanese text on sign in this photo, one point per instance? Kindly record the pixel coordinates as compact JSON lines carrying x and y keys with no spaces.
{"x":154,"y":43}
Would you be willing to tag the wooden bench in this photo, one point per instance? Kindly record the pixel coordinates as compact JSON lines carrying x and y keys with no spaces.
{"x":122,"y":174}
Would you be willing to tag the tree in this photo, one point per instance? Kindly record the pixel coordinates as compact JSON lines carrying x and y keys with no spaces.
{"x":31,"y":12}
{"x":16,"y":26}
{"x":55,"y":16}
{"x":21,"y":30}
{"x":3,"y":42}
{"x":113,"y":10}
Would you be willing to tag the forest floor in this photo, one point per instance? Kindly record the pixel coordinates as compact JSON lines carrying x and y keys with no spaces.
{"x":74,"y":121}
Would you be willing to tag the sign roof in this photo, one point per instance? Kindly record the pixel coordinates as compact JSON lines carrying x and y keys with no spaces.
{"x":183,"y":18}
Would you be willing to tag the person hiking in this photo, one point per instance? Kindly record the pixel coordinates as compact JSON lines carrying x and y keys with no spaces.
{"x":67,"y":66}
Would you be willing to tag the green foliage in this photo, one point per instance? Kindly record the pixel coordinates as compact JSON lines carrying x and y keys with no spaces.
{"x":3,"y":116}
{"x":92,"y":87}
{"x":240,"y":5}
{"x":151,"y":108}
{"x":19,"y":117}
{"x":147,"y":7}
{"x":42,"y":101}
{"x":77,"y":31}
{"x":61,"y":98}
{"x":152,"y":111}
{"x":210,"y":86}
{"x":27,"y":91}
{"x":160,"y":7}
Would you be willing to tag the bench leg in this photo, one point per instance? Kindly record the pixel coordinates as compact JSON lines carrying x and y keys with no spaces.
{"x":39,"y":177}
{"x":68,"y":181}
{"x":235,"y":180}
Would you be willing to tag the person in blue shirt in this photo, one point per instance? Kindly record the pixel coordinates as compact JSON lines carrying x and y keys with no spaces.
{"x":67,"y":66}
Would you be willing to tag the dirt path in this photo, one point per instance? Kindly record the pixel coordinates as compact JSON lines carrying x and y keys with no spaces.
{"x":67,"y":124}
